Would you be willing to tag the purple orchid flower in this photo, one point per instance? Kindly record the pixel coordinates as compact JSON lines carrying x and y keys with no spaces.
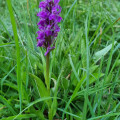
{"x":48,"y":24}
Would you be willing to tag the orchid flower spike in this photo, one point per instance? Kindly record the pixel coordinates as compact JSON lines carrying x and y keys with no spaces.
{"x":48,"y":24}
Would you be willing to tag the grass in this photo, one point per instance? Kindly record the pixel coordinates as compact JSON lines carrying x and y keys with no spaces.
{"x":19,"y":81}
{"x":84,"y":67}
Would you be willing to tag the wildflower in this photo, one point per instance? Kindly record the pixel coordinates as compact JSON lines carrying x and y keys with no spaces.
{"x":48,"y":24}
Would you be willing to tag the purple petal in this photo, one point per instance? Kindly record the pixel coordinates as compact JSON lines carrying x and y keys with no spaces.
{"x":59,"y":19}
{"x":49,"y":0}
{"x":40,"y":43}
{"x":41,"y":28}
{"x":57,"y":28}
{"x":56,"y":10}
{"x":42,"y":14}
{"x":52,"y":17}
{"x":41,"y":35}
{"x":42,"y":4}
{"x":41,"y":22}
{"x":48,"y":32}
{"x":49,"y":49}
{"x":56,"y":1}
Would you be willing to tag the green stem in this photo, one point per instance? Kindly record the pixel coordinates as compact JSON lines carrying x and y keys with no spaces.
{"x":48,"y":85}
{"x":47,"y":72}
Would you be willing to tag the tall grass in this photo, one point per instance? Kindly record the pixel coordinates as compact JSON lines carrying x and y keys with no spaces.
{"x":14,"y":27}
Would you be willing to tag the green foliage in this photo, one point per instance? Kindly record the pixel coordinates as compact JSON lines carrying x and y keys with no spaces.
{"x":84,"y":67}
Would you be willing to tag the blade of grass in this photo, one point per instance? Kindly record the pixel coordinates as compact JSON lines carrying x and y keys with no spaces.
{"x":96,"y":31}
{"x":3,"y":79}
{"x":113,"y":66}
{"x":103,"y":116}
{"x":25,"y":116}
{"x":6,"y":29}
{"x":2,"y":99}
{"x":68,"y":113}
{"x":6,"y":44}
{"x":87,"y":78}
{"x":14,"y":27}
{"x":69,"y":10}
{"x":73,"y":68}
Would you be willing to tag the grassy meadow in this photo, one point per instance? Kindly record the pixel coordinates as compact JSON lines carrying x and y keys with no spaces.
{"x":84,"y":66}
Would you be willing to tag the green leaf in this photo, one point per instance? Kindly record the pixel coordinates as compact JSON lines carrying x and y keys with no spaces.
{"x":83,"y":53}
{"x":98,"y":55}
{"x":41,"y":88}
